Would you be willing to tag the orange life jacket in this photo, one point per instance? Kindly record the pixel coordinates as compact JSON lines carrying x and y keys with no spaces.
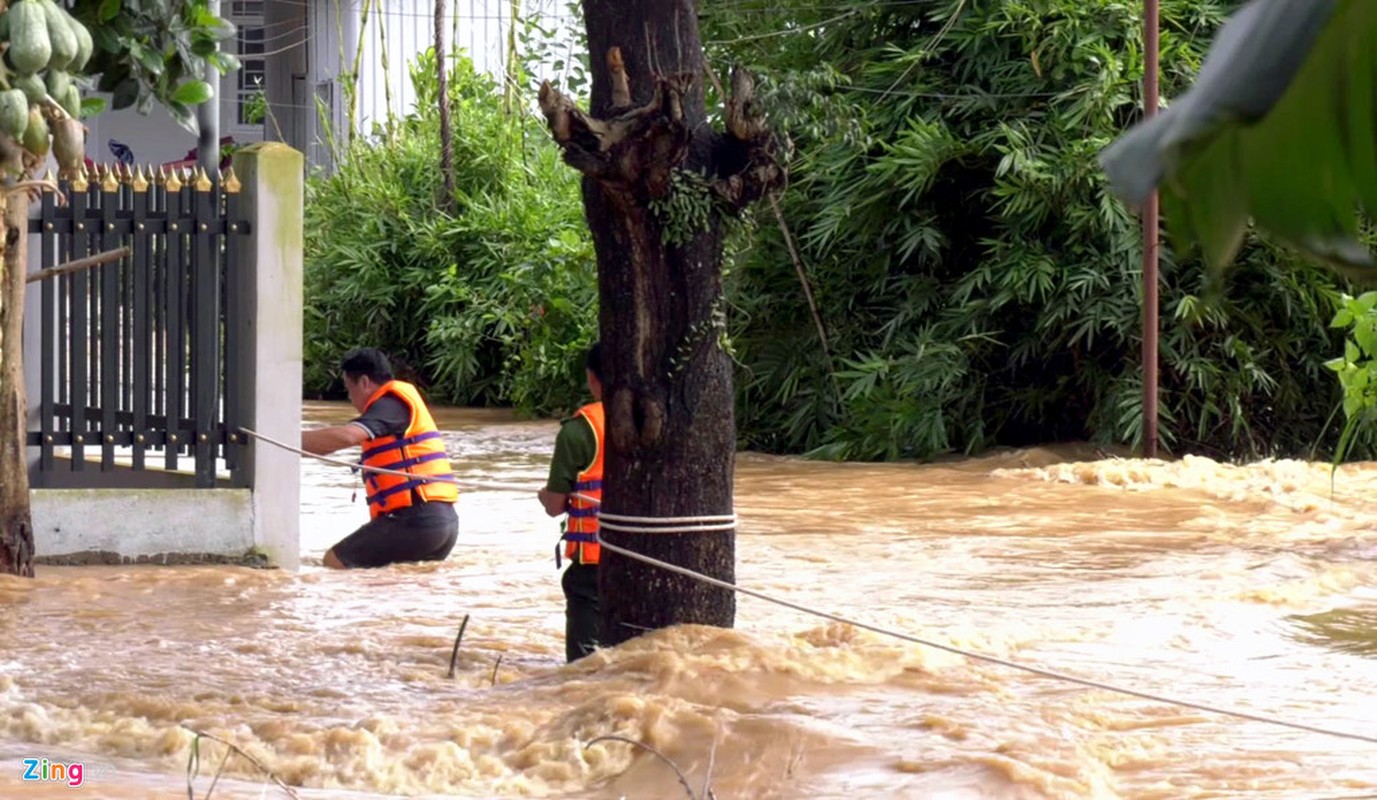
{"x":419,"y":451}
{"x":581,"y":533}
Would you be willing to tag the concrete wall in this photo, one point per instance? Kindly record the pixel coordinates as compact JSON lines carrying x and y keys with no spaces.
{"x":147,"y":525}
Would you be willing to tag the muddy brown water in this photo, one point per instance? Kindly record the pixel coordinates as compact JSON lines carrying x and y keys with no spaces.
{"x":1244,"y":586}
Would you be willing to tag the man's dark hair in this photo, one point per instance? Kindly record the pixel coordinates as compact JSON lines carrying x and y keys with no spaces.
{"x":593,"y":360}
{"x":366,"y":361}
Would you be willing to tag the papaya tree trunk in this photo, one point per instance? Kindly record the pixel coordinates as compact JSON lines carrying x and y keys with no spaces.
{"x":16,"y":524}
{"x":658,"y":184}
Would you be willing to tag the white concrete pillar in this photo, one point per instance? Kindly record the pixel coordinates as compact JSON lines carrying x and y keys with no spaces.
{"x":269,"y":368}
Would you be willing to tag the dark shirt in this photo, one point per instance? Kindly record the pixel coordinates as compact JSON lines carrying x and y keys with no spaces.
{"x":389,"y":416}
{"x":576,"y":445}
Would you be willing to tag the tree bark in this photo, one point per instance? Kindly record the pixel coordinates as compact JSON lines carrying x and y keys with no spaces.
{"x":648,"y":155}
{"x":16,"y":524}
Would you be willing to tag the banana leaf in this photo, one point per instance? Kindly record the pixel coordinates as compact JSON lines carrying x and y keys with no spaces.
{"x":1280,"y":128}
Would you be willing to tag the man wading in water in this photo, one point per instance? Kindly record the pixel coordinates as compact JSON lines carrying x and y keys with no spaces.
{"x":412,"y":519}
{"x":575,"y":487}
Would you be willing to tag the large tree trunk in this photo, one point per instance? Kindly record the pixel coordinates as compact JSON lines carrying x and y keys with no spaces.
{"x":658,"y":182}
{"x":16,"y":525}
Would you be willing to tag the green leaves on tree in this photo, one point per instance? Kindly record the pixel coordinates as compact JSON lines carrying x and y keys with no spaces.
{"x":167,"y":52}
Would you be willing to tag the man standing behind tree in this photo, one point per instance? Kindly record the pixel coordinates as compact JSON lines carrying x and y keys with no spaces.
{"x":412,"y":517}
{"x":575,"y":487}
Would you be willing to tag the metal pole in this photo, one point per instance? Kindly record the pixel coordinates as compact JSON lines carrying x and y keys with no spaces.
{"x":208,"y":117}
{"x":1151,"y":238}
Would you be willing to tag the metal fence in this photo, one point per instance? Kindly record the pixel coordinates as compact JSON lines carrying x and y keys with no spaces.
{"x":135,"y":350}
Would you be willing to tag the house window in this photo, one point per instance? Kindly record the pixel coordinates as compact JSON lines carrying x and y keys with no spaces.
{"x":252,"y":73}
{"x":247,"y":9}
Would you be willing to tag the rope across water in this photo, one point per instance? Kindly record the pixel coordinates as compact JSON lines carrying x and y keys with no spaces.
{"x":633,"y":524}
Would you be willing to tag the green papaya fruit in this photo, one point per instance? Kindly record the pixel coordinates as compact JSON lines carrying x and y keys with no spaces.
{"x":85,"y":45}
{"x":61,"y":37}
{"x":32,"y":86}
{"x":14,"y":113}
{"x":57,"y":82}
{"x":30,"y":49}
{"x":36,"y":135}
{"x":71,"y":100}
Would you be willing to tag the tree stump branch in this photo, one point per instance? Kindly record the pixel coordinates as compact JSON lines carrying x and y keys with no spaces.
{"x":636,"y":146}
{"x":749,"y":153}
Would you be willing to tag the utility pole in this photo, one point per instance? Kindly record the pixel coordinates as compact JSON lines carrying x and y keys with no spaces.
{"x":208,"y":117}
{"x":1151,"y":237}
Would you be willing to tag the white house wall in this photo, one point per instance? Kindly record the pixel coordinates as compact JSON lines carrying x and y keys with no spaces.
{"x":154,"y":138}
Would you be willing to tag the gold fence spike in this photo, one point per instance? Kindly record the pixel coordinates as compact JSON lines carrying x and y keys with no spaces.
{"x":203,"y":183}
{"x":140,"y":182}
{"x":231,"y":182}
{"x":174,"y":181}
{"x":111,"y":181}
{"x":81,"y":181}
{"x":161,"y":177}
{"x":48,"y":176}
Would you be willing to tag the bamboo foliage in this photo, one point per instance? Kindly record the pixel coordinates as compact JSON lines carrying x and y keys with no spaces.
{"x":980,"y":280}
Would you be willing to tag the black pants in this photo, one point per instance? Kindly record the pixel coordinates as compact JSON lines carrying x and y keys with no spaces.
{"x":424,"y":532}
{"x":582,"y":617}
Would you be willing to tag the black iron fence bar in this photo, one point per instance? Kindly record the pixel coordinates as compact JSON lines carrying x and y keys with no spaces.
{"x":176,"y":319}
{"x":126,"y":301}
{"x":143,"y":327}
{"x":124,"y":418}
{"x":79,"y":336}
{"x":125,"y":223}
{"x":234,"y":305}
{"x":157,"y":247}
{"x":111,"y":336}
{"x":123,"y":437}
{"x":206,"y":335}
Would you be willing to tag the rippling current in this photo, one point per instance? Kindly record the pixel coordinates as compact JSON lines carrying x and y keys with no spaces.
{"x":1250,"y":587}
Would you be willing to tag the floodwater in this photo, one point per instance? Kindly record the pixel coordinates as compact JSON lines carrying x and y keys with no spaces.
{"x":1250,"y":587}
